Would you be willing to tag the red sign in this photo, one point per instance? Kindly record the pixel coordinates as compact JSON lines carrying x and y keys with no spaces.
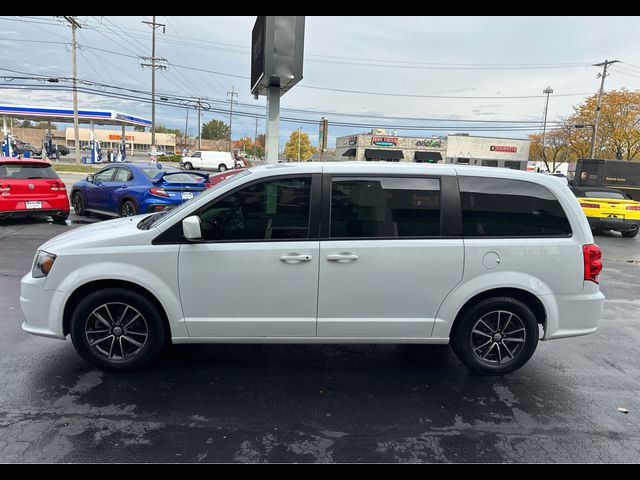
{"x":384,"y":141}
{"x":503,"y":148}
{"x":119,"y":137}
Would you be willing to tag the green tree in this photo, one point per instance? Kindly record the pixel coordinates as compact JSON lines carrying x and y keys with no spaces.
{"x":305,"y":148}
{"x":215,"y":130}
{"x":25,"y":124}
{"x":138,"y":128}
{"x":172,"y":131}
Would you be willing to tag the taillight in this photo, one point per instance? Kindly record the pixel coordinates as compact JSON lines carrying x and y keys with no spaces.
{"x":5,"y":189}
{"x":160,"y":192}
{"x":633,"y":207}
{"x":590,"y":205}
{"x":58,"y":186}
{"x":592,"y":263}
{"x":208,"y":185}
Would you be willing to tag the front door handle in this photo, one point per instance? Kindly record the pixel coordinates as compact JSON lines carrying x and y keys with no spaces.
{"x":295,"y":258}
{"x":342,"y":257}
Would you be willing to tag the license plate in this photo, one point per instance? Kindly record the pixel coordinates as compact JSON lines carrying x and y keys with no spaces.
{"x":187,"y":195}
{"x":614,"y":215}
{"x":31,"y":205}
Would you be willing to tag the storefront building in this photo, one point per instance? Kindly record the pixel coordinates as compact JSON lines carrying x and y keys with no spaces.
{"x":487,"y":151}
{"x":137,"y":142}
{"x":462,"y":149}
{"x":379,"y":146}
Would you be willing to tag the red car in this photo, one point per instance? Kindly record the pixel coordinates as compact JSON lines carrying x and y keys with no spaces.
{"x":218,"y":177}
{"x":31,"y":188}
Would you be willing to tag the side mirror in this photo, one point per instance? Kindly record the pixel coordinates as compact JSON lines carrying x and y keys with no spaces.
{"x":90,"y":178}
{"x":191,"y":228}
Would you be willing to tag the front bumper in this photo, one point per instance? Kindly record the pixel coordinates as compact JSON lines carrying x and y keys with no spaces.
{"x":618,"y":224}
{"x":42,"y":308}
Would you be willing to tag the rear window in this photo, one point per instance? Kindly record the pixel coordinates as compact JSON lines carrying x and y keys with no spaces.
{"x":597,"y":194}
{"x":25,"y":171}
{"x":182,"y":178}
{"x":151,"y":172}
{"x":495,"y":207}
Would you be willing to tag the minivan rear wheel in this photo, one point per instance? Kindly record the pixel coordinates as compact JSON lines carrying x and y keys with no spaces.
{"x":117,"y":330}
{"x":496,"y":336}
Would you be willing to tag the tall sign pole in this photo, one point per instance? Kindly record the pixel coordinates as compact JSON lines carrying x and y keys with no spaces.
{"x":603,"y":75}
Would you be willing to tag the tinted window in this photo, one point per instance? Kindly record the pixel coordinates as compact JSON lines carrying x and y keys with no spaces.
{"x":196,"y":155}
{"x":26,"y":170}
{"x":274,"y":209}
{"x":513,"y":165}
{"x":489,"y":163}
{"x":385,"y":207}
{"x":122,"y":175}
{"x":509,"y":208}
{"x":151,"y":172}
{"x":104,"y":176}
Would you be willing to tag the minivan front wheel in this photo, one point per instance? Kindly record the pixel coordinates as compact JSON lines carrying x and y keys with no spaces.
{"x":496,"y":336}
{"x":117,"y":329}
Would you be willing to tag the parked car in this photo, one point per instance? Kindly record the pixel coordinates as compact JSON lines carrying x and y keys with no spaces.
{"x":482,"y":258}
{"x":219,"y":177}
{"x":609,"y":209}
{"x":128,"y":189}
{"x":159,"y":153}
{"x":31,"y":188}
{"x":61,"y":149}
{"x":21,"y":148}
{"x":208,"y":160}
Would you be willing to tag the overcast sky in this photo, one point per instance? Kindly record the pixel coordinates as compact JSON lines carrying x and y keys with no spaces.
{"x":405,"y":58}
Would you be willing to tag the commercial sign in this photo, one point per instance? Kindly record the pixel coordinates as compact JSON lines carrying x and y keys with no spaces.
{"x":353,"y":140}
{"x":129,"y":138}
{"x":503,"y":148}
{"x":384,"y":141}
{"x":428,"y":143}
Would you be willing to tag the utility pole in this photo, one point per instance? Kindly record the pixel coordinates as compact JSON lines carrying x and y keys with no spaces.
{"x":154,"y":65}
{"x":603,"y":75}
{"x":74,"y":24}
{"x":231,"y":102}
{"x":548,"y":91}
{"x":298,"y":143}
{"x":186,"y":128}
{"x":255,"y":140}
{"x":199,"y":128}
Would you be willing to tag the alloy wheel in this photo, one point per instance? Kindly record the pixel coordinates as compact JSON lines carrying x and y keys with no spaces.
{"x":116,"y":331}
{"x":498,"y":337}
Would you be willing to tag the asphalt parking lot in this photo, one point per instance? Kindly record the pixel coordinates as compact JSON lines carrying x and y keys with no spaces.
{"x":322,"y":403}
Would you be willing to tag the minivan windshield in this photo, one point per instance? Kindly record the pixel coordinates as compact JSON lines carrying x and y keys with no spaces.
{"x":157,"y":218}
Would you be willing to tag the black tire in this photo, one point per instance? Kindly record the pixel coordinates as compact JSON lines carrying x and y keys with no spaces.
{"x":188,"y":166}
{"x":60,"y":218}
{"x":79,"y":205}
{"x":630,"y":233}
{"x":117,"y":353}
{"x":521,"y":342}
{"x":222,"y":167}
{"x":128,"y":209}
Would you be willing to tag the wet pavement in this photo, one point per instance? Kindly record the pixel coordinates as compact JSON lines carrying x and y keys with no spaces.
{"x":321,"y":403}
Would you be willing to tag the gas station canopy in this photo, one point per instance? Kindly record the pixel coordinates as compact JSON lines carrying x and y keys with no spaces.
{"x":48,"y":114}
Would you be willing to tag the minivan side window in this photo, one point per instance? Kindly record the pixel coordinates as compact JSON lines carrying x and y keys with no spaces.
{"x":385,"y":207}
{"x":497,"y":207}
{"x":270,"y":210}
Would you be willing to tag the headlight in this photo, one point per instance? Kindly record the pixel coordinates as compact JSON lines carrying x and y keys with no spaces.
{"x":43,"y":263}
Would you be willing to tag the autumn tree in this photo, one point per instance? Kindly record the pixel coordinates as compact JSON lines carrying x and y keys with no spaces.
{"x":305,"y":148}
{"x":618,"y":126}
{"x":556,"y":150}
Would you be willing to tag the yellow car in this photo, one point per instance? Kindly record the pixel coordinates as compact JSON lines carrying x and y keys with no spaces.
{"x":609,"y":209}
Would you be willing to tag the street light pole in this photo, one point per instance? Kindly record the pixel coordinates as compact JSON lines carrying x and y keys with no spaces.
{"x":76,"y":132}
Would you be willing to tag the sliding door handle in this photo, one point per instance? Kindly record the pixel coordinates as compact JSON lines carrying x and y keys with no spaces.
{"x":342,"y":257}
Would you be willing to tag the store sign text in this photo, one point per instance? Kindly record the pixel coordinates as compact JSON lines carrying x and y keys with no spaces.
{"x":503,"y":148}
{"x":384,"y":141}
{"x":428,"y":143}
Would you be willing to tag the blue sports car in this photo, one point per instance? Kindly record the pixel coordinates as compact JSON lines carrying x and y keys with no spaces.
{"x":127,"y":189}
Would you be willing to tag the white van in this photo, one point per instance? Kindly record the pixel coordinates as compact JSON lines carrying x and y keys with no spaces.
{"x":490,"y":260}
{"x":203,"y":159}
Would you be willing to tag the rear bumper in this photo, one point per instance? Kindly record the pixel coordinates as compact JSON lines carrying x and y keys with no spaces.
{"x":33,"y":213}
{"x":619,"y":224}
{"x":573,"y":315}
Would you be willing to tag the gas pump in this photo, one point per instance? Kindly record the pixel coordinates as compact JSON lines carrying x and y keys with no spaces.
{"x":96,"y":152}
{"x":7,"y":148}
{"x":122,"y":153}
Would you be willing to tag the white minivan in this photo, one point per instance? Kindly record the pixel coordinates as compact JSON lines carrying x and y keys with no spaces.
{"x":208,"y":160}
{"x":489,"y":260}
